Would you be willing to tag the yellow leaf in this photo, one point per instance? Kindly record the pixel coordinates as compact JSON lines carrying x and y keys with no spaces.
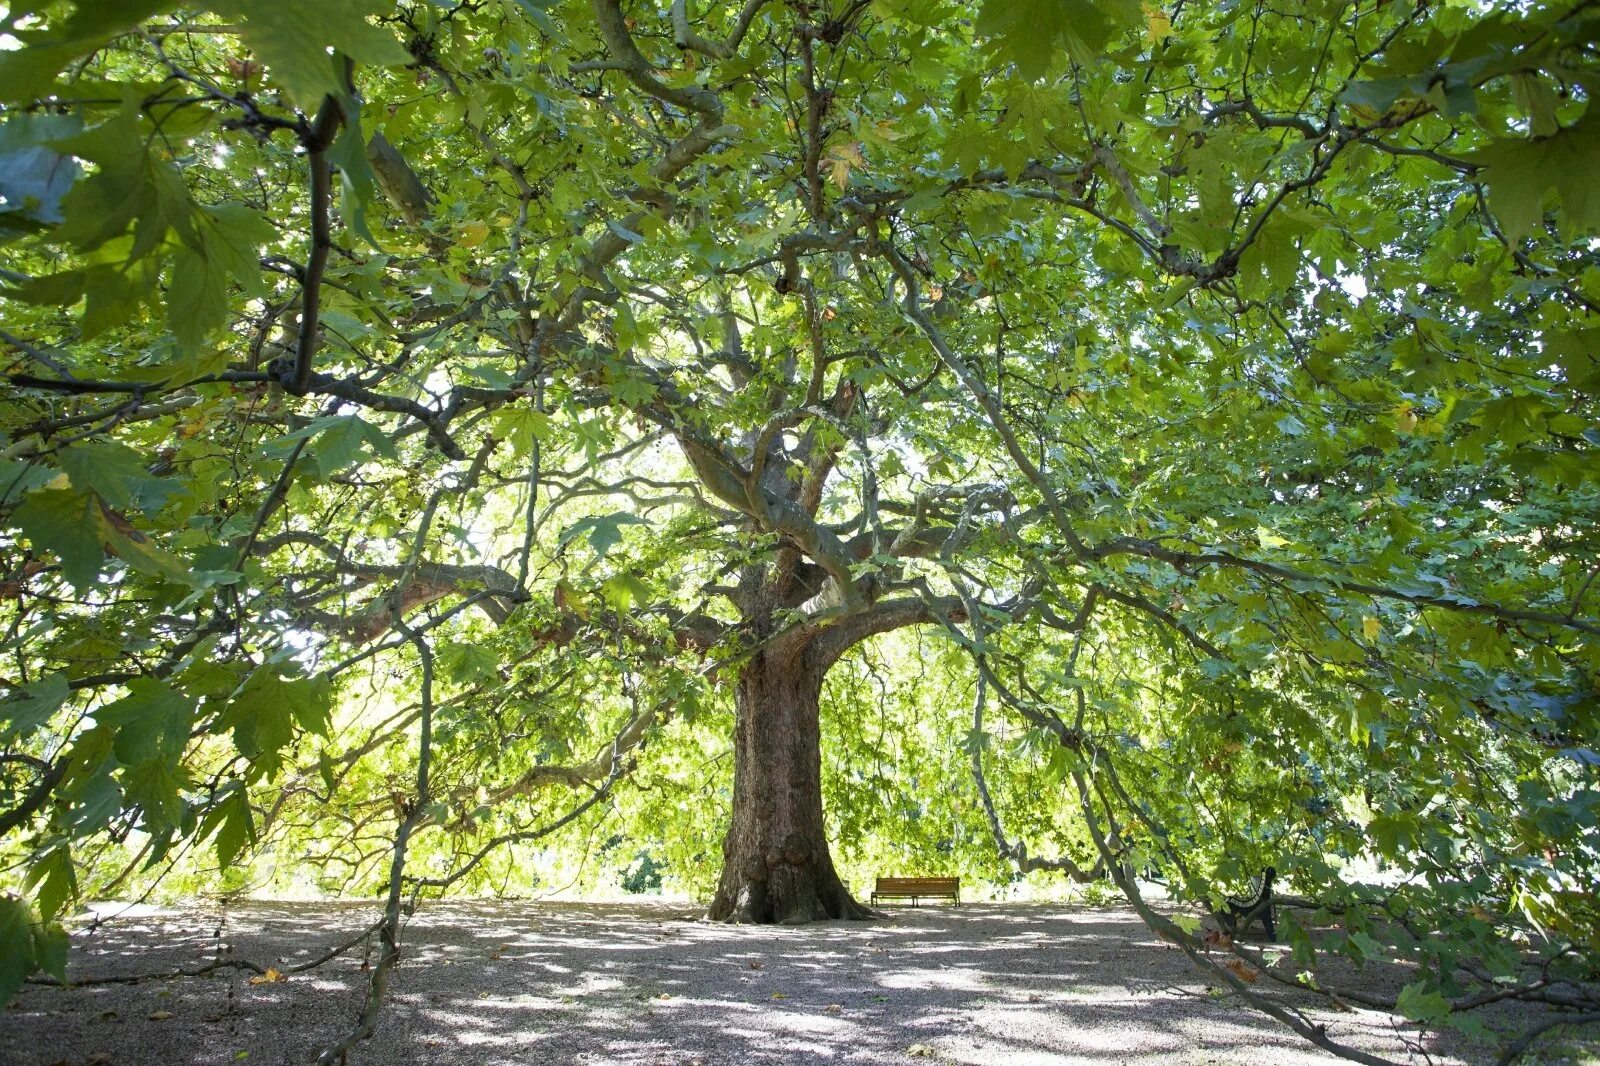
{"x":1268,"y":539}
{"x":884,"y":130}
{"x":841,"y":159}
{"x":1159,"y":23}
{"x":271,"y":977}
{"x":568,"y":599}
{"x":1364,"y":113}
{"x":472,"y":234}
{"x":1405,"y":419}
{"x":1371,"y":627}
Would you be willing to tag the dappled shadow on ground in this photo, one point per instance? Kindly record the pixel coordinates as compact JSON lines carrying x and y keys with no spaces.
{"x":522,"y":983}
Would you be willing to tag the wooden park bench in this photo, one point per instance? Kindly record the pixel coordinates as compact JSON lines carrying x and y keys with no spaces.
{"x":917,"y":888}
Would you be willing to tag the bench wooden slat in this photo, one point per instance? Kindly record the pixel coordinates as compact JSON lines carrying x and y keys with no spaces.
{"x":916,"y":888}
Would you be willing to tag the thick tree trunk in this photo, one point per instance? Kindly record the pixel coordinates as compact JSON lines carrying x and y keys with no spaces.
{"x":776,"y":865}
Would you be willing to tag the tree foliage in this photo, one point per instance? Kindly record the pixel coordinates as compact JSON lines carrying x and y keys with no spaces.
{"x":403,"y":399}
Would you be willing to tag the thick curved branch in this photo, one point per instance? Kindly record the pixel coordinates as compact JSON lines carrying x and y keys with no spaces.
{"x":36,"y":797}
{"x":317,"y":140}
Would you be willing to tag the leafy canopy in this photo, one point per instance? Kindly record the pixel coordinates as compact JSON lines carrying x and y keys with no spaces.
{"x":405,"y":399}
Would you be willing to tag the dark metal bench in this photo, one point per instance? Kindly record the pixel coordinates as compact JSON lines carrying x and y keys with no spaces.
{"x":918,"y":888}
{"x":1242,"y":910}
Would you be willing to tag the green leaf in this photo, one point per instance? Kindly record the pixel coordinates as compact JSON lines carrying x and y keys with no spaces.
{"x":357,"y":182}
{"x":21,"y":716}
{"x":139,"y":551}
{"x":16,"y":946}
{"x":33,"y":176}
{"x":1513,"y":419}
{"x":66,"y":522}
{"x":1379,"y":94}
{"x":1368,"y":949}
{"x":1422,"y":1004}
{"x":53,"y":881}
{"x":197,"y":299}
{"x":338,"y":442}
{"x":234,"y":235}
{"x":1520,"y":172}
{"x":129,"y":186}
{"x":520,"y":426}
{"x":235,"y":827}
{"x":603,"y":531}
{"x":154,"y":788}
{"x":27,"y":72}
{"x":1030,"y":33}
{"x":151,"y":722}
{"x":292,"y":38}
{"x":463,"y":662}
{"x":264,"y":712}
{"x":19,"y":479}
{"x":116,"y":472}
{"x":538,"y":13}
{"x":1538,"y":100}
{"x":50,"y":946}
{"x":624,"y":590}
{"x":625,"y":233}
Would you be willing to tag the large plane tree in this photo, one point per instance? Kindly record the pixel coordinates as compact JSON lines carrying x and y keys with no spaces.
{"x":415,"y":410}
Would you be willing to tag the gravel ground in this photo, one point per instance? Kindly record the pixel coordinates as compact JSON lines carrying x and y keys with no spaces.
{"x":1019,"y":985}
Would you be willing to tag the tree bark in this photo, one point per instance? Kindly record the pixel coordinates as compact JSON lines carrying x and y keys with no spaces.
{"x":776,"y":863}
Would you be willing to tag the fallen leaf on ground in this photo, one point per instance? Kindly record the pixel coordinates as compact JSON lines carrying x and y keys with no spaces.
{"x":99,"y":1058}
{"x":833,"y":1008}
{"x":272,"y":976}
{"x":757,"y":965}
{"x":159,"y":1015}
{"x":1242,"y":970}
{"x":920,"y":1051}
{"x":779,"y":995}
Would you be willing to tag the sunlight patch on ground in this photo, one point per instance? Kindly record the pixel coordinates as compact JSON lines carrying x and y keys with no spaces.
{"x":538,"y":985}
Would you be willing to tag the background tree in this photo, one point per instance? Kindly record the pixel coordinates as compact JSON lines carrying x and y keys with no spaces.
{"x":416,"y":409}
